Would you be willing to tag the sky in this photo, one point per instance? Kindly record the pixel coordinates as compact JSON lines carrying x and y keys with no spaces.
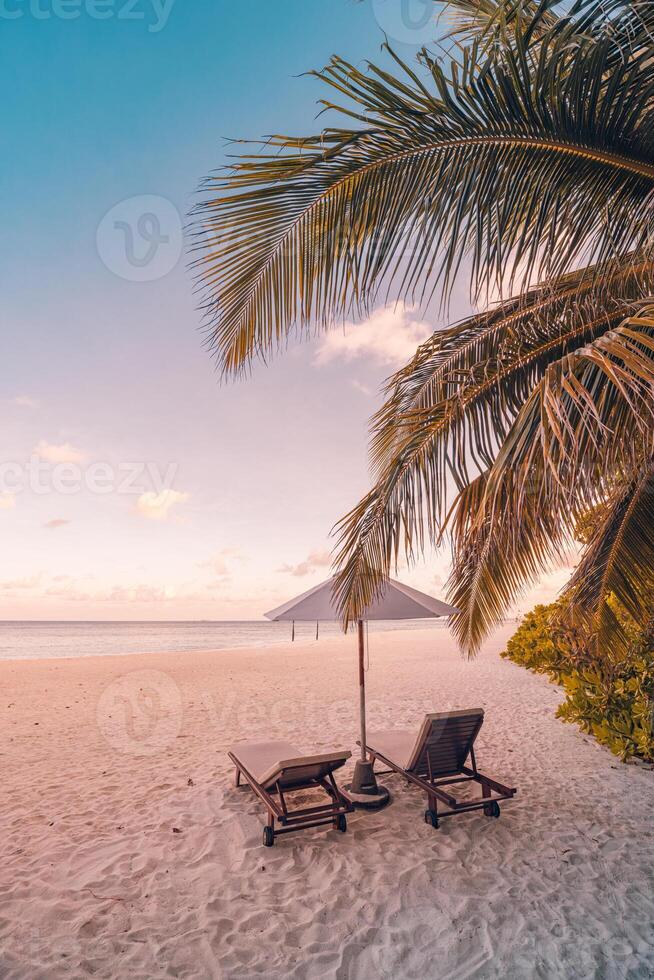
{"x":133,"y":484}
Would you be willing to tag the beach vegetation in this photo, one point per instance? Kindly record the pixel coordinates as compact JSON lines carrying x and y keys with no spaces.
{"x":612,"y":700}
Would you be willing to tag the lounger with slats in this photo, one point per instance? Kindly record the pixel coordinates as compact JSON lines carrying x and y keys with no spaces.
{"x":442,"y":756}
{"x":276,"y":769}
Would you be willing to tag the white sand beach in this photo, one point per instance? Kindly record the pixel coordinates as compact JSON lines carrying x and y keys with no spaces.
{"x":128,"y":853}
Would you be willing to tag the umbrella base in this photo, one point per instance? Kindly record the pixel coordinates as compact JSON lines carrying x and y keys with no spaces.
{"x":364,"y":791}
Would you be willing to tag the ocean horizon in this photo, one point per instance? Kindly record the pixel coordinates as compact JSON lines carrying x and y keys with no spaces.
{"x":57,"y":639}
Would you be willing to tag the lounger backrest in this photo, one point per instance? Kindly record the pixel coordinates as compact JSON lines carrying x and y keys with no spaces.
{"x":297,"y":772}
{"x":444,"y":742}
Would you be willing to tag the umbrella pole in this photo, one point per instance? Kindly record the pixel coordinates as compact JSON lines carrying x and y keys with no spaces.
{"x":362,"y":691}
{"x":364,"y":791}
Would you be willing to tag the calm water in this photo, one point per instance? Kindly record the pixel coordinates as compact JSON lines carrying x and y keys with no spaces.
{"x":36,"y":640}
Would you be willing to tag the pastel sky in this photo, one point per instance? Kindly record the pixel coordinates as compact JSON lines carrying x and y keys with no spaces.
{"x":134,"y":485}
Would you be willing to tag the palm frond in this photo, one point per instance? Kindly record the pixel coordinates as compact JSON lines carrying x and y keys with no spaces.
{"x":440,"y":423}
{"x":482,"y":356}
{"x":526,"y":163}
{"x":560,"y":454}
{"x":526,"y":155}
{"x":493,"y":19}
{"x":617,"y":564}
{"x":497,"y":557}
{"x":631,"y":25}
{"x":564,"y":455}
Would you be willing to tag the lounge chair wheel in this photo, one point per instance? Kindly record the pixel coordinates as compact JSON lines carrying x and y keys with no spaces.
{"x":268,"y":837}
{"x":492,"y":809}
{"x":341,"y":823}
{"x":431,"y":817}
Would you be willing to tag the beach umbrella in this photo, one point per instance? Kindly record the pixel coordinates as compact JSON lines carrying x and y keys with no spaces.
{"x":397,"y":601}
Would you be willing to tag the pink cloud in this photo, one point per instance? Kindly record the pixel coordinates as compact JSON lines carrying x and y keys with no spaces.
{"x":61,"y":453}
{"x":389,"y":337}
{"x":157,"y":506}
{"x":314,"y":561}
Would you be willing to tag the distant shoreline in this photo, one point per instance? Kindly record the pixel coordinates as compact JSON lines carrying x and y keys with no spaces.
{"x":81,"y":639}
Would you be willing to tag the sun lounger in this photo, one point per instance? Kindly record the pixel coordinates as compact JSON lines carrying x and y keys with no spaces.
{"x":441,"y":756}
{"x":275,"y":769}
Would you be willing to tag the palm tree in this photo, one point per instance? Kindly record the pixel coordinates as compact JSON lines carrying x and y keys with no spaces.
{"x":527,"y":157}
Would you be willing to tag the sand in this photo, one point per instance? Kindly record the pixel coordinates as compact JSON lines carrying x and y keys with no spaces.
{"x":128,"y":853}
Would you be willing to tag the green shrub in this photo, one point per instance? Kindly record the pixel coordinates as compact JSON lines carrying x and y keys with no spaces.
{"x":614,"y":702}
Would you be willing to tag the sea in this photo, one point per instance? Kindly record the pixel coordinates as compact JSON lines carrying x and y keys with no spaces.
{"x":38,"y":640}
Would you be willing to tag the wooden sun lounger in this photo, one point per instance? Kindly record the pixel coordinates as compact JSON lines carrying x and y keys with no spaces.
{"x":275,"y":769}
{"x":438,"y":759}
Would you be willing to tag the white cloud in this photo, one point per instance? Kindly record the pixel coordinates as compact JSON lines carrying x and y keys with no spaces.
{"x":63,"y":453}
{"x":389,"y":336}
{"x":20,"y":584}
{"x":67,"y":589}
{"x":7,"y":501}
{"x":70,"y":590}
{"x":137,"y":593}
{"x":157,"y":506}
{"x":364,"y":389}
{"x":24,"y":401}
{"x":221,"y":562}
{"x":55,"y":523}
{"x":314,"y":561}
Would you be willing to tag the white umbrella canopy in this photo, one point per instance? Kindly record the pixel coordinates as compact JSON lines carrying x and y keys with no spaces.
{"x":397,"y":601}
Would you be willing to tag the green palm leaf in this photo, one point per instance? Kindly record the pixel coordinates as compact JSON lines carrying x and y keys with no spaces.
{"x":522,"y":160}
